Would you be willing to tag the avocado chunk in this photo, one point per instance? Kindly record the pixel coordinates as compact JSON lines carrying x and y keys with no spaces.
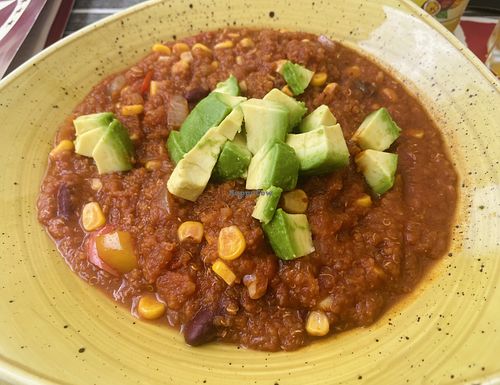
{"x":296,"y":76}
{"x":321,"y":116}
{"x":86,"y":123}
{"x":289,"y":235}
{"x":275,"y":164}
{"x":377,"y":132}
{"x":266,"y":204}
{"x":229,"y":86}
{"x":114,"y":150}
{"x":86,"y":142}
{"x":192,"y":173}
{"x":175,"y":146}
{"x":378,"y":168}
{"x":233,"y":160}
{"x":296,"y":109}
{"x":320,"y":151}
{"x":264,"y":121}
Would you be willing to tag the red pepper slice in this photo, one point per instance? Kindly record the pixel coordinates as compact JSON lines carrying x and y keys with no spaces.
{"x":147,"y":81}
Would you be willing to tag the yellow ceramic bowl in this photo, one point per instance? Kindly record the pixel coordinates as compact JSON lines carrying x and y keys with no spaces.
{"x":448,"y":332}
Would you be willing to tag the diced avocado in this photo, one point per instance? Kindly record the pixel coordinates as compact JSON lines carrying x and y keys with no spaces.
{"x":264,"y":121}
{"x":192,"y":173}
{"x":266,"y":204}
{"x":296,"y":76}
{"x":233,"y":161}
{"x":321,"y":116}
{"x":86,"y":142}
{"x":321,"y":150}
{"x":114,"y":150}
{"x":296,"y":109}
{"x":379,"y":169}
{"x":275,"y":164}
{"x":377,"y":132}
{"x":229,"y":86}
{"x":175,"y":146}
{"x":289,"y":235}
{"x":208,"y":113}
{"x":86,"y":123}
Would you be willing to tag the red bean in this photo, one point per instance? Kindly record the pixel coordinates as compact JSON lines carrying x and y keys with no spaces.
{"x":64,"y":205}
{"x":200,"y":329}
{"x":196,"y":94}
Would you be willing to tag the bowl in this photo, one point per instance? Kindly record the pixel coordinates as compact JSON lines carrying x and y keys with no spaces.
{"x":57,"y":329}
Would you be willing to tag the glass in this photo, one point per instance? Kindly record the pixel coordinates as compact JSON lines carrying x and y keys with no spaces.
{"x":447,"y":12}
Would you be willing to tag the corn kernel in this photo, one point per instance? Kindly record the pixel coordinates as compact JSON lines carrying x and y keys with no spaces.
{"x":191,"y":230}
{"x":153,"y":87}
{"x":62,"y":146}
{"x":330,"y":88}
{"x":134,"y":109}
{"x":187,"y":56}
{"x":233,"y":34}
{"x":92,"y":216}
{"x":246,"y":42}
{"x":364,"y":201}
{"x":201,"y":47}
{"x":150,"y":308}
{"x":180,"y":67}
{"x":231,"y":243}
{"x":221,"y":269}
{"x":224,"y":44}
{"x":95,"y":184}
{"x":239,"y":60}
{"x":317,"y":323}
{"x":179,"y":48}
{"x":419,"y":134}
{"x":295,"y":201}
{"x":287,"y":90}
{"x":214,"y":64}
{"x":161,"y":48}
{"x":152,"y":165}
{"x":352,"y":71}
{"x":319,"y":79}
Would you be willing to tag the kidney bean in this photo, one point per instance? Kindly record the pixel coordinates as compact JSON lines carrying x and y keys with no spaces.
{"x":200,"y":329}
{"x":64,"y":205}
{"x":196,"y":94}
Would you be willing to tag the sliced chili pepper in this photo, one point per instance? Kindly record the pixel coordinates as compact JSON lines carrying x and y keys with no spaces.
{"x":147,"y":81}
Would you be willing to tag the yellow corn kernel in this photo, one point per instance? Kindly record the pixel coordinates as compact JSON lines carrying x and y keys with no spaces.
{"x":180,"y":67}
{"x":364,"y":201}
{"x":246,"y":42}
{"x":134,"y":109}
{"x":152,"y":165}
{"x":150,"y":308}
{"x":295,"y":201}
{"x":352,"y":71}
{"x":92,"y":216}
{"x":201,"y":47}
{"x":419,"y":134}
{"x":319,"y":79}
{"x":214,"y":64}
{"x":161,"y":48}
{"x":239,"y":60}
{"x":233,"y":34}
{"x":221,"y":269}
{"x":231,"y":243}
{"x":179,"y":48}
{"x":187,"y":56}
{"x":224,"y":44}
{"x":191,"y":230}
{"x":95,"y":184}
{"x":317,"y":323}
{"x":287,"y":90}
{"x":63,"y":145}
{"x":153,"y":87}
{"x":330,"y":88}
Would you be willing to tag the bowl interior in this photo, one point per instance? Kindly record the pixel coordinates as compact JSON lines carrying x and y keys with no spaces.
{"x":445,"y":332}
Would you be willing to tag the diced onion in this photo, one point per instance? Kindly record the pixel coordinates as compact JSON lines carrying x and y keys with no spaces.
{"x":177,"y":110}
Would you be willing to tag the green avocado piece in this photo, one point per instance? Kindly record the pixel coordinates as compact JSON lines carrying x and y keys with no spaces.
{"x":289,"y":235}
{"x":86,"y":123}
{"x":321,"y":116}
{"x":192,"y":173}
{"x":209,"y":112}
{"x":379,"y":169}
{"x":266,"y":204}
{"x":175,"y":146}
{"x":229,"y":86}
{"x":114,"y":150}
{"x":233,"y":161}
{"x":86,"y":142}
{"x":296,"y":76}
{"x":275,"y":164}
{"x":265,"y":121}
{"x":296,"y":109}
{"x":321,"y":150}
{"x":377,"y":132}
